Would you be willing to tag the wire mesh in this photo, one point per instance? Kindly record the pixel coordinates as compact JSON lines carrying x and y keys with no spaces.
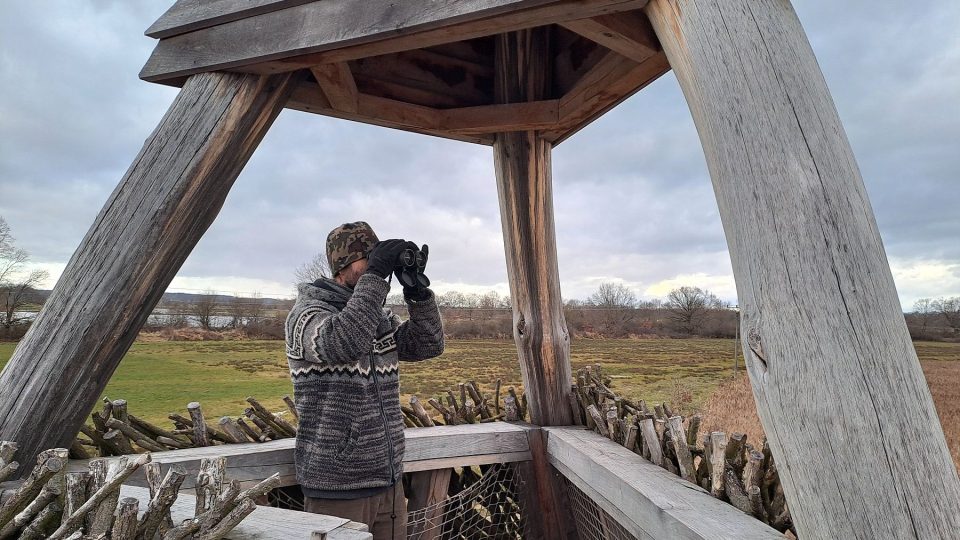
{"x":286,"y":497}
{"x":593,"y":522}
{"x":486,"y":505}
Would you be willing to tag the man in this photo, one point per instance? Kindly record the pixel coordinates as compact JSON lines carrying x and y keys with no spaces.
{"x":343,"y":349}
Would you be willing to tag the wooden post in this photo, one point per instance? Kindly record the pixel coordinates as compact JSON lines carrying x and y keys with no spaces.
{"x":825,"y":343}
{"x":151,"y":222}
{"x":522,"y":161}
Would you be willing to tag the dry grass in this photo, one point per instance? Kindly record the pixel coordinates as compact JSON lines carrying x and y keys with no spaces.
{"x":731,"y":407}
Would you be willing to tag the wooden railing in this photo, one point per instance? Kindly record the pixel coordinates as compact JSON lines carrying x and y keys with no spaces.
{"x":646,"y":500}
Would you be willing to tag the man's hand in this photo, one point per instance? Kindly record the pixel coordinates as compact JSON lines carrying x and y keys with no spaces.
{"x":383,"y":257}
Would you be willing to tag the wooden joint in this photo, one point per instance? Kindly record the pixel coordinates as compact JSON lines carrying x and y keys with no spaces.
{"x":628,"y":34}
{"x":338,"y":86}
{"x":529,"y":116}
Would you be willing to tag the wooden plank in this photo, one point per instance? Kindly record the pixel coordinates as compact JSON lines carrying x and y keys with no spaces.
{"x":189,"y":15}
{"x":821,"y":320}
{"x":379,"y":112}
{"x":647,"y":500}
{"x":338,"y":85}
{"x":264,"y":522}
{"x":337,"y":31}
{"x":147,"y":228}
{"x":628,"y":34}
{"x":574,"y":57}
{"x":612,"y":80}
{"x":426,"y":449}
{"x":524,"y":186}
{"x":501,"y":118}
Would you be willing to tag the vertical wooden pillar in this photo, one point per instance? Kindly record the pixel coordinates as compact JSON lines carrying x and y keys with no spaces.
{"x":524,"y":185}
{"x":838,"y":386}
{"x":165,"y":202}
{"x":522,"y":161}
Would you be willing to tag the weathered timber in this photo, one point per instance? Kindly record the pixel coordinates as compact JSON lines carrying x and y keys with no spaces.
{"x":678,"y":438}
{"x":189,"y":15}
{"x":628,"y":34}
{"x":264,"y":521}
{"x":821,"y":319}
{"x":44,"y":521}
{"x":109,"y":488}
{"x":125,"y":522}
{"x":209,"y":482}
{"x":325,"y":32}
{"x":524,"y":186}
{"x":426,"y":449}
{"x":200,"y":437}
{"x":427,"y":490}
{"x":336,"y":81}
{"x":25,"y":516}
{"x":647,"y":500}
{"x":612,"y":80}
{"x":166,"y":200}
{"x":30,"y":488}
{"x":158,"y":510}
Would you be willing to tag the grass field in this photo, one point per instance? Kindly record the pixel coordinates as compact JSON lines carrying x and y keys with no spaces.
{"x":159,"y":377}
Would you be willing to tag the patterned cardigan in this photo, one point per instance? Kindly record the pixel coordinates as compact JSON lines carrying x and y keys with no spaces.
{"x":343,"y":350}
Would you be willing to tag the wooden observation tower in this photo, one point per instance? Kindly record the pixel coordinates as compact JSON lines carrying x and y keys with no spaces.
{"x":826,"y":346}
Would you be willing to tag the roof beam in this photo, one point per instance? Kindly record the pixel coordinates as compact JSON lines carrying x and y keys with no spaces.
{"x":628,"y":34}
{"x":338,"y":85}
{"x":336,"y":31}
{"x":611,"y":81}
{"x":528,"y":116}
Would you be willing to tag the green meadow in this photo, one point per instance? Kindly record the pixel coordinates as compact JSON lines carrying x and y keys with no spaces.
{"x":157,"y":378}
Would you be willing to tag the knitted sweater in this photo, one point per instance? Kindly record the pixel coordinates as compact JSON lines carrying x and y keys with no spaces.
{"x":343,"y":350}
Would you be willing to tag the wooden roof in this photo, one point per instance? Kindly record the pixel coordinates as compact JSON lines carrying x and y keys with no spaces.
{"x":420,"y":65}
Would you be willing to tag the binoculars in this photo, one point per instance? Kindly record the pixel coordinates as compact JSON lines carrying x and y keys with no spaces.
{"x":410,"y":265}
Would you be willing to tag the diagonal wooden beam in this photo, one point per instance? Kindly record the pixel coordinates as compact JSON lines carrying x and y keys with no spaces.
{"x":628,"y":34}
{"x":612,"y":80}
{"x":338,"y":85}
{"x":147,"y":228}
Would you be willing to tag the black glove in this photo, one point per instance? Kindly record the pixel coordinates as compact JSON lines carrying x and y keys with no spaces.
{"x":383,"y":257}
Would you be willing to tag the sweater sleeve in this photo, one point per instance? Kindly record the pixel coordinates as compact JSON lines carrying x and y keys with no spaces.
{"x":341,"y":338}
{"x":421,"y":336}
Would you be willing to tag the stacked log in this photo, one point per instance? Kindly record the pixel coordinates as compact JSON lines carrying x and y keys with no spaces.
{"x":730,"y":468}
{"x":472,"y":407}
{"x":116,"y":432}
{"x":52,"y":504}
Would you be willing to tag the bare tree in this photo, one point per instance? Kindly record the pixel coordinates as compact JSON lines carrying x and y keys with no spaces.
{"x":613,"y":295}
{"x":689,"y":307}
{"x":924,"y":311}
{"x":16,"y":287}
{"x":204,"y":308}
{"x":310,"y":271}
{"x":949,"y":308}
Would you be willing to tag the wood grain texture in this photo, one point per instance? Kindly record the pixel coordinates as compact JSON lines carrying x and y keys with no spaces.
{"x":612,"y":80}
{"x":821,"y":320}
{"x":338,"y":85}
{"x":524,"y":186}
{"x":189,"y":15}
{"x":151,"y":222}
{"x":335,"y":31}
{"x":426,"y":449}
{"x":649,"y":501}
{"x":264,"y":521}
{"x":627,"y":34}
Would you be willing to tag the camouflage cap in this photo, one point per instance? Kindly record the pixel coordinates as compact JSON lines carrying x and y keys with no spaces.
{"x":349,"y":242}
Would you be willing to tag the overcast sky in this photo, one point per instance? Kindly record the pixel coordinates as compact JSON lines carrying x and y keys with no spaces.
{"x":633,"y":199}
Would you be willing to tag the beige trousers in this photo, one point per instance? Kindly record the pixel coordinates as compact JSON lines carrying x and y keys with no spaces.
{"x":375,"y":511}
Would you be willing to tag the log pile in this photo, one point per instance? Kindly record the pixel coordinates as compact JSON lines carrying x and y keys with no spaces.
{"x":54,"y":504}
{"x":116,"y":432}
{"x":472,"y":407}
{"x":730,"y":468}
